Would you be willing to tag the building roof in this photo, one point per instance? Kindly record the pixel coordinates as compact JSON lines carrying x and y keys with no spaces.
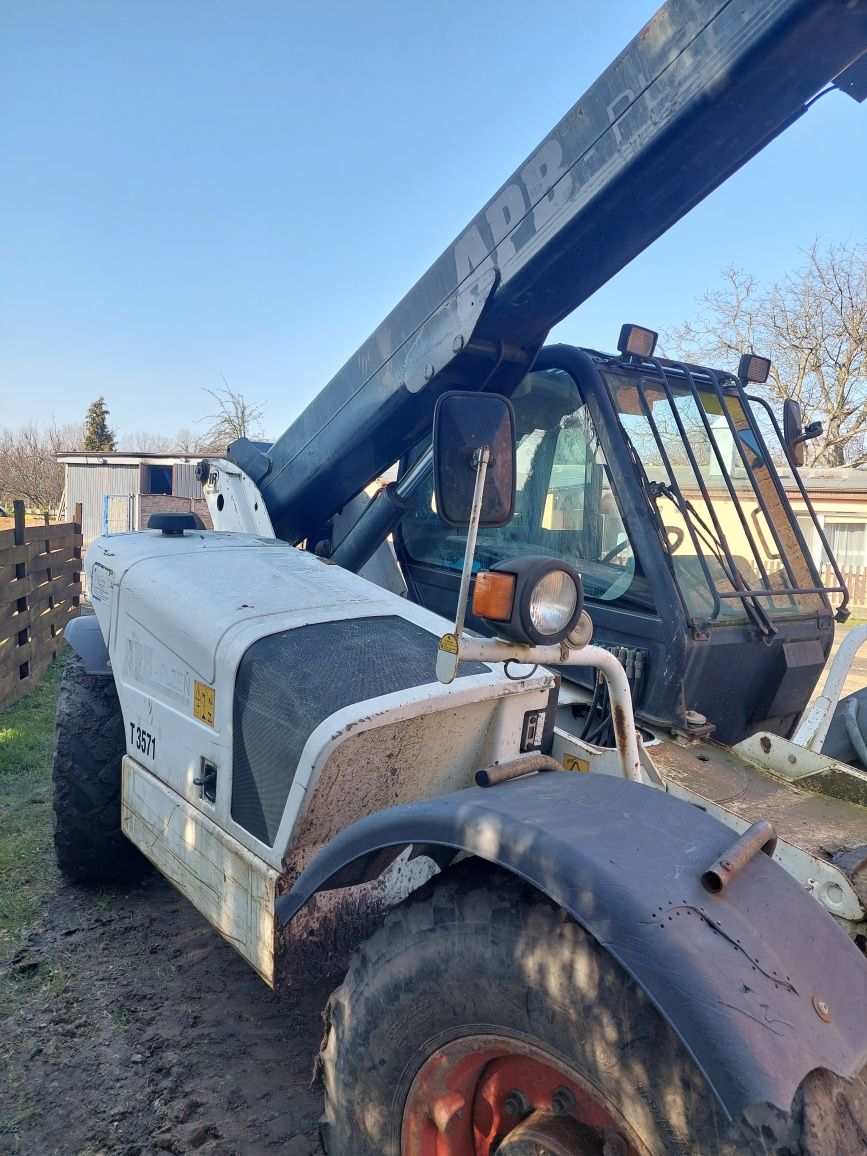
{"x":828,"y":479}
{"x":123,"y":458}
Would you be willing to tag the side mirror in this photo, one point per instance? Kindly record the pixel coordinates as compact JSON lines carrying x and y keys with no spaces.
{"x":463,"y":423}
{"x":794,"y":434}
{"x":792,"y":423}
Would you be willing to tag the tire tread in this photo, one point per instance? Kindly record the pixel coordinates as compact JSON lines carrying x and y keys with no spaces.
{"x":90,"y":743}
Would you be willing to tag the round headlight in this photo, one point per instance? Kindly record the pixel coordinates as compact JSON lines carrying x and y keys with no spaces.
{"x":543,"y":603}
{"x":552,"y":602}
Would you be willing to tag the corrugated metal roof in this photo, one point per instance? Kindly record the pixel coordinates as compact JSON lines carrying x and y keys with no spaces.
{"x":122,"y":457}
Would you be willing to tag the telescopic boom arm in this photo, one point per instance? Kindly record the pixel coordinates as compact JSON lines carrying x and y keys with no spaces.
{"x":703,"y":87}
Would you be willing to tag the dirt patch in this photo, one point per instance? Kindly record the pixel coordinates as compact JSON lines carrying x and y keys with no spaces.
{"x":129,"y":1026}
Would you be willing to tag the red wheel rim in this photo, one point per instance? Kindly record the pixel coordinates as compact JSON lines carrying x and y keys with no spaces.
{"x":477,"y":1095}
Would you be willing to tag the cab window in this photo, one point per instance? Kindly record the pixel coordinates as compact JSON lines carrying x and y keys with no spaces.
{"x":565,"y":506}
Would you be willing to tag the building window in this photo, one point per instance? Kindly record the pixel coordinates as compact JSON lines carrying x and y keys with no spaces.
{"x":810,"y":535}
{"x":848,"y":542}
{"x":157,"y":479}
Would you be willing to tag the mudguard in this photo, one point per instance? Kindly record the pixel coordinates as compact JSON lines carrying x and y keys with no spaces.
{"x":85,"y":637}
{"x":760,"y":984}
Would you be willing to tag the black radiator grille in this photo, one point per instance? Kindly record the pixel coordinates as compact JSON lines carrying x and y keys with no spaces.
{"x":287,"y":683}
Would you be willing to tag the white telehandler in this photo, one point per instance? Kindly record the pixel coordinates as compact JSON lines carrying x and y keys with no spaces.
{"x":540,"y":961}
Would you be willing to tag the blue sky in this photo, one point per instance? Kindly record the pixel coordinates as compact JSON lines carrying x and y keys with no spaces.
{"x":194,"y":188}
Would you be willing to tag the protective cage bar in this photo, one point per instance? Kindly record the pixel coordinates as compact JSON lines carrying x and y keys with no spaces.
{"x":814,"y":518}
{"x":734,"y":575}
{"x":679,"y":374}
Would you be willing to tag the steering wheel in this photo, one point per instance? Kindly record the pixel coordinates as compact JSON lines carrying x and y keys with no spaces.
{"x":621,"y":583}
{"x":614,"y":551}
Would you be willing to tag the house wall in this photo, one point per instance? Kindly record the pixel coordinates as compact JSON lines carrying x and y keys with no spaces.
{"x":835,"y":510}
{"x":171,"y":504}
{"x":842,"y":517}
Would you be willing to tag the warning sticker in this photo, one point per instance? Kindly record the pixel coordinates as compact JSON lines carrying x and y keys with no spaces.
{"x":449,"y":644}
{"x":573,"y":763}
{"x":204,"y":698}
{"x":101,"y":579}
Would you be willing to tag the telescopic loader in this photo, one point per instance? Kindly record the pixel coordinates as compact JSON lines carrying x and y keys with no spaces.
{"x":624,"y":962}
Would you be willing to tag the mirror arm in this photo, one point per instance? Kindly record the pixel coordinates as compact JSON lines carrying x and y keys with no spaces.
{"x":481,"y":459}
{"x":814,"y":430}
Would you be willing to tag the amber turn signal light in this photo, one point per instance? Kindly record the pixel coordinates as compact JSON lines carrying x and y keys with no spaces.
{"x":494,"y":595}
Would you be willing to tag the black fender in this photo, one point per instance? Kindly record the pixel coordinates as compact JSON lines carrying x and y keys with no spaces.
{"x":85,"y":637}
{"x":758,"y":981}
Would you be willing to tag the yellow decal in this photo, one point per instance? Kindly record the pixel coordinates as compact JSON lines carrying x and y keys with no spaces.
{"x":203,"y":702}
{"x":572,"y":763}
{"x":449,"y":643}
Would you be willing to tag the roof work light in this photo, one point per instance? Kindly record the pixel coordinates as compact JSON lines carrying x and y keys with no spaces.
{"x":754,"y":369}
{"x":637,"y":340}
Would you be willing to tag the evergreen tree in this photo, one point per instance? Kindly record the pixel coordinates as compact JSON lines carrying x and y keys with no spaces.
{"x":98,"y":438}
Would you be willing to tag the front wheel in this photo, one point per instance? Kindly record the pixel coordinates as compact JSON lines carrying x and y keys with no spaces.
{"x":89,"y":746}
{"x":481,"y":1019}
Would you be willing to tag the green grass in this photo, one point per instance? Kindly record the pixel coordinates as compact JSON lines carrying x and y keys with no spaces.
{"x":27,"y":868}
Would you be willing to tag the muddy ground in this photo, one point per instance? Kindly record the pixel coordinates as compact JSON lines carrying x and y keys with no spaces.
{"x":129,"y":1026}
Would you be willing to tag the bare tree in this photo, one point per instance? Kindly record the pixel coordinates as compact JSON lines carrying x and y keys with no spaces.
{"x":187,"y":441}
{"x":812,"y":323}
{"x":28,"y":462}
{"x":234,"y":418}
{"x":147,"y":442}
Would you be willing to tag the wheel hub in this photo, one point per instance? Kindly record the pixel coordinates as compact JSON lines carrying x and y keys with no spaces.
{"x":545,"y":1134}
{"x":495,"y":1096}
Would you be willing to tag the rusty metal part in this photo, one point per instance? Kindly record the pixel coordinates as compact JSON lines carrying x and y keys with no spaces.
{"x":761,"y":836}
{"x":515,"y":768}
{"x":546,"y":1134}
{"x":563,"y":1100}
{"x":518,"y":1104}
{"x":443,"y":1110}
{"x":853,"y":861}
{"x":821,"y":839}
{"x":486,"y":1094}
{"x":823,"y":1011}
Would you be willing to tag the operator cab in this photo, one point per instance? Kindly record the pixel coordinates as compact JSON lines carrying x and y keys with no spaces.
{"x":659,"y":481}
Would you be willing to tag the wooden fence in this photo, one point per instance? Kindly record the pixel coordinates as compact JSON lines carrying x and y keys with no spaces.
{"x":40,"y":589}
{"x":855,"y":578}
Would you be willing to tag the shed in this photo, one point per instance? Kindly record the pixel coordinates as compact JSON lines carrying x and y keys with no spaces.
{"x":119,"y":491}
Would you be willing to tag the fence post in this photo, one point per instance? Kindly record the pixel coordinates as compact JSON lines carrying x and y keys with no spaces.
{"x":18,"y":537}
{"x":77,"y":519}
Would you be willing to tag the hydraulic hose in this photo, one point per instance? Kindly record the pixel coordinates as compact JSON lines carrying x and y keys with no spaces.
{"x":856,"y":738}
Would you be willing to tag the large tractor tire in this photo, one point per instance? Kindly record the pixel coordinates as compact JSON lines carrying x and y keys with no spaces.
{"x":88,"y":749}
{"x":481,"y":1019}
